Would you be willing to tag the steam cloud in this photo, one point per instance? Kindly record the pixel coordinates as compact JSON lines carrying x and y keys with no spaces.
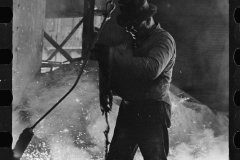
{"x":76,"y":126}
{"x":74,"y":130}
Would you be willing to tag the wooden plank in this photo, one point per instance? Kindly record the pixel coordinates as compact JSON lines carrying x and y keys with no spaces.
{"x":59,"y":48}
{"x":66,"y":39}
{"x":50,"y":65}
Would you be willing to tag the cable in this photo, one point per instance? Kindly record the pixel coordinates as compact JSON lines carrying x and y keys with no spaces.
{"x":106,"y":16}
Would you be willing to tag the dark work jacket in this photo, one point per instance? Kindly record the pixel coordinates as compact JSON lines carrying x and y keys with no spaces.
{"x":144,"y":73}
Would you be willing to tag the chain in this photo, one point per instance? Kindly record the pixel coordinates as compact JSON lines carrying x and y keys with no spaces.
{"x":106,"y":132}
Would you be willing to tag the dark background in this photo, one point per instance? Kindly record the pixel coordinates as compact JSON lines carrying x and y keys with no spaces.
{"x":200,"y":29}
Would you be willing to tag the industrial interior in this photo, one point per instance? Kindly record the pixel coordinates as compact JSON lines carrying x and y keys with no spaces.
{"x":51,"y":39}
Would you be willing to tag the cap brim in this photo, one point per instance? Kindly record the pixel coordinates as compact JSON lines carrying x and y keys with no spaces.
{"x":124,"y":20}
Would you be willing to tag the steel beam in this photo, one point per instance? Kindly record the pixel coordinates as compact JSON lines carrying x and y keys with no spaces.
{"x":87,"y":26}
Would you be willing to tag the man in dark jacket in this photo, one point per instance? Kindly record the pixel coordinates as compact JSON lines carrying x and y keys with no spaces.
{"x":140,"y":73}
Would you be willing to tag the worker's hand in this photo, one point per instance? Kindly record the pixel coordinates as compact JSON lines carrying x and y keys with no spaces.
{"x":106,"y":100}
{"x":100,"y":52}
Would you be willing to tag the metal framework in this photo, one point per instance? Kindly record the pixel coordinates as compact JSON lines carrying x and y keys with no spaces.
{"x":86,"y":37}
{"x":65,"y":40}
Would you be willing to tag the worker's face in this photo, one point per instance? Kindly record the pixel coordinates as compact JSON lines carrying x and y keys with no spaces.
{"x":138,"y":31}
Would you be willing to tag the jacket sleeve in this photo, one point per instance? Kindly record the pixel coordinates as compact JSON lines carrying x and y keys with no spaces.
{"x":145,"y":68}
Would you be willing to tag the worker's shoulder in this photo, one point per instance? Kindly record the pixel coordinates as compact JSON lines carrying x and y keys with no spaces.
{"x":162,"y":37}
{"x":161,"y":34}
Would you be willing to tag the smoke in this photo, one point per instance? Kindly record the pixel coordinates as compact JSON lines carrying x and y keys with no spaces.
{"x":74,"y":130}
{"x":65,"y":129}
{"x":62,"y":148}
{"x":206,"y":132}
{"x":203,"y":146}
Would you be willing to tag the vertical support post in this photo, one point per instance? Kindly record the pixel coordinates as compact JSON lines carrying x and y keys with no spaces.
{"x":28,"y":24}
{"x":88,"y":23}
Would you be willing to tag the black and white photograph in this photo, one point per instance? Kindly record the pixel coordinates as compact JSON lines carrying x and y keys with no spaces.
{"x":120,"y":80}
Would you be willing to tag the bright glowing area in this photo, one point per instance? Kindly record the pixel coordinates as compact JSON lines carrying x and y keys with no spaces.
{"x":74,"y":131}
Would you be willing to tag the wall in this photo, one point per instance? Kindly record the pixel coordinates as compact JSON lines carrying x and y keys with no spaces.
{"x":28,"y":21}
{"x":201,"y":33}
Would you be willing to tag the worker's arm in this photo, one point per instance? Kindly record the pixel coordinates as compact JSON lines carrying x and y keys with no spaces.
{"x":145,"y":68}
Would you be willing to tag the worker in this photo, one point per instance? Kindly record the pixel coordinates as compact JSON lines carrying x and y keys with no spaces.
{"x":140,"y":72}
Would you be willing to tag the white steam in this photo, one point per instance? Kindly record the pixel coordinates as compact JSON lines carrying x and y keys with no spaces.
{"x":74,"y":130}
{"x":62,"y":148}
{"x":203,"y":146}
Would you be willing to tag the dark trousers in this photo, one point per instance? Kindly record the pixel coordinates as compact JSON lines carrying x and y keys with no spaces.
{"x":144,"y":126}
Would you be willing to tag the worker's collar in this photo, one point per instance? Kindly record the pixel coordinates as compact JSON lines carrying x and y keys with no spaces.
{"x":139,"y":41}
